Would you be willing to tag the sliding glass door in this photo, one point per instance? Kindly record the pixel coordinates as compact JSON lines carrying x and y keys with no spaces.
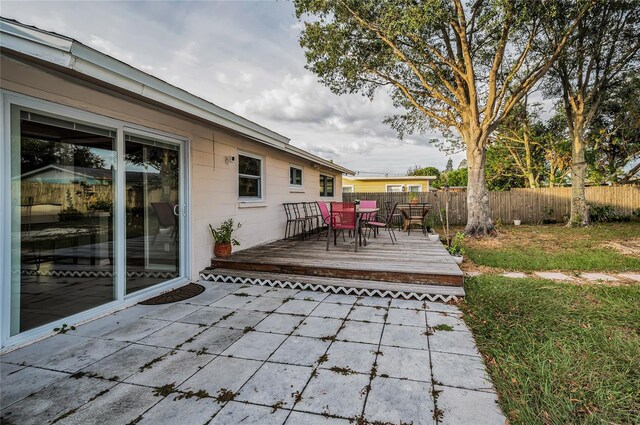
{"x":153,"y":211}
{"x":97,"y":215}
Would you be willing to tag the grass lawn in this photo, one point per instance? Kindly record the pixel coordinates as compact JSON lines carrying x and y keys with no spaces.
{"x":559,"y":353}
{"x":556,"y":247}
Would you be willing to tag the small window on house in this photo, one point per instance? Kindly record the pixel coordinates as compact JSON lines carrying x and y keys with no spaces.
{"x":326,"y":185}
{"x":295,"y":177}
{"x":395,"y":188}
{"x":349,"y":188}
{"x":249,"y":177}
{"x":414,"y":188}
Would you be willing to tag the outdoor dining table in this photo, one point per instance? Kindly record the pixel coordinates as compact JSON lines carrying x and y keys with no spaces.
{"x":405,"y":208}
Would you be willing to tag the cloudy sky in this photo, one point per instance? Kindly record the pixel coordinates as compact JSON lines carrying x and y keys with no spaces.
{"x":245,"y":57}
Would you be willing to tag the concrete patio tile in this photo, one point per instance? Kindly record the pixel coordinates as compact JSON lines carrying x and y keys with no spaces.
{"x":410,"y":304}
{"x":301,"y":351}
{"x":399,"y":401}
{"x":456,"y":370}
{"x":191,"y":411}
{"x":336,"y":311}
{"x":279,"y":323}
{"x":215,"y":340}
{"x":311,"y":296}
{"x":232,"y":301}
{"x":255,"y":345}
{"x":82,"y":355}
{"x":317,"y":327}
{"x":24,"y":382}
{"x":354,"y":356}
{"x":516,"y":275}
{"x":102,"y":325}
{"x":172,"y":312}
{"x":442,"y":307}
{"x":554,"y":276}
{"x":135,"y":331}
{"x":124,"y":363}
{"x":630,"y":276}
{"x":299,"y":418}
{"x":212,"y":293}
{"x":249,"y":414}
{"x":176,"y":366}
{"x":374,"y":301}
{"x":297,"y":307}
{"x":32,"y":354}
{"x":435,"y":319}
{"x":255,"y":290}
{"x":456,"y":342}
{"x":206,"y":315}
{"x":221,"y":373}
{"x":172,"y":335}
{"x":405,"y":336}
{"x":281,"y":293}
{"x":461,"y":406}
{"x":275,"y":384}
{"x":7,"y":369}
{"x":60,"y":397}
{"x":368,"y":333}
{"x":404,"y":363}
{"x":341,"y":299}
{"x":242,"y":319}
{"x":122,"y":404}
{"x":264,"y":304}
{"x":334,"y":394}
{"x":367,"y":314}
{"x":599,"y":276}
{"x":406,"y":317}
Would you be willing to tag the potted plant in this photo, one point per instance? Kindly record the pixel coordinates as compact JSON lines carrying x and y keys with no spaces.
{"x":412,"y":197}
{"x":455,"y":248}
{"x":223,"y":239}
{"x":517,"y":221}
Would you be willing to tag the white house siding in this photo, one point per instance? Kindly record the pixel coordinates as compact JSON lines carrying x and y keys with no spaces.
{"x":213,"y":183}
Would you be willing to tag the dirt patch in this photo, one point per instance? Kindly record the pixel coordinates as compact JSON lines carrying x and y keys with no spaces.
{"x":629,"y":247}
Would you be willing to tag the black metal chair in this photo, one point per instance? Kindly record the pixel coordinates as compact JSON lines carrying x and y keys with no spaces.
{"x":313,"y":215}
{"x":387,"y":224}
{"x":294,"y":220}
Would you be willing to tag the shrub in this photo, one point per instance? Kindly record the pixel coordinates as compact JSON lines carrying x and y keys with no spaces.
{"x":605,"y":214}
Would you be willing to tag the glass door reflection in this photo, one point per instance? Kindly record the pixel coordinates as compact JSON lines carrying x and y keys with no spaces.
{"x":152,"y":192}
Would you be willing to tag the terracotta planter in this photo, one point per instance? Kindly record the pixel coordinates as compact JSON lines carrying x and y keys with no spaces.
{"x":222,"y":250}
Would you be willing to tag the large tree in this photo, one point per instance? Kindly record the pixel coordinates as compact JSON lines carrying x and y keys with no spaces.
{"x":603,"y":51}
{"x":460,"y":66}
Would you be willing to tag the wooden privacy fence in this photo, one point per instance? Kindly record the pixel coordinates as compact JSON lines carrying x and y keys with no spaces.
{"x":528,"y":205}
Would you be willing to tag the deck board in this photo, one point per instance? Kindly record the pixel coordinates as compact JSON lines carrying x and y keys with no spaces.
{"x":412,"y":260}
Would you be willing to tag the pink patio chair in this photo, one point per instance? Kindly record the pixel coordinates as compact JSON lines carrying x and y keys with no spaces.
{"x":324,"y":211}
{"x":343,"y":217}
{"x":371,"y":216}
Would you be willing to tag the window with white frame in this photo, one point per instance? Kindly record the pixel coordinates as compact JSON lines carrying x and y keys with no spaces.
{"x":326,"y":185}
{"x":348,"y":188}
{"x":395,"y":188}
{"x":414,"y":188}
{"x":250,"y":177}
{"x":295,"y":177}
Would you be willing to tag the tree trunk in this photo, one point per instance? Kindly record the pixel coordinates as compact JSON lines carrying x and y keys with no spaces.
{"x":479,"y":221}
{"x":579,"y":207}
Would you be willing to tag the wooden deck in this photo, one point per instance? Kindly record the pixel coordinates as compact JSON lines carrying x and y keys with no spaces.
{"x":412,"y":264}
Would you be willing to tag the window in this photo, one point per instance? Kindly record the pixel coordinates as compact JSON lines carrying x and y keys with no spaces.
{"x":395,"y":188}
{"x":295,"y":177}
{"x":414,"y":188}
{"x":326,"y":185}
{"x":349,"y":188}
{"x":249,"y":177}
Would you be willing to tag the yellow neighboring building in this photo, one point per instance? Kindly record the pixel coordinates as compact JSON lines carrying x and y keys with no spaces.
{"x":386,"y":184}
